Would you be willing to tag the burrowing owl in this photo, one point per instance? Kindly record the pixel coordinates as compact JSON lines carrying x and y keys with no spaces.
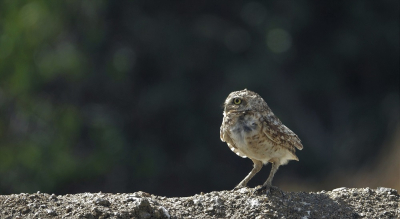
{"x":252,"y":130}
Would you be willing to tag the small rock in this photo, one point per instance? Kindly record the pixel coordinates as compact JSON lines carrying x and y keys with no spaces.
{"x":103,"y":202}
{"x":339,"y":189}
{"x":31,"y":205}
{"x":218,"y":201}
{"x":25,"y":210}
{"x":32,"y":197}
{"x":68,"y":209}
{"x":209,"y":209}
{"x":53,"y":197}
{"x":144,"y":203}
{"x":51,"y":212}
{"x":368,"y":190}
{"x":253,"y":202}
{"x":145,"y":194}
{"x":132,"y":198}
{"x":86,"y":215}
{"x":162,"y":213}
{"x":197,"y":201}
{"x":243,"y":190}
{"x":144,"y":215}
{"x":96,"y":211}
{"x":387,"y":190}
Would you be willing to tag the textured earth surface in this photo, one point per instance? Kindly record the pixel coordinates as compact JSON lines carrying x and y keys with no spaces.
{"x":338,"y":203}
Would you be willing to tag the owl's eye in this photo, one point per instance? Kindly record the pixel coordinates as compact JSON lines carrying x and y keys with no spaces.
{"x":237,"y":101}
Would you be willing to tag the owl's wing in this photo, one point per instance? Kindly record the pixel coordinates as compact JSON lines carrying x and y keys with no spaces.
{"x":224,"y":135}
{"x":280,"y":134}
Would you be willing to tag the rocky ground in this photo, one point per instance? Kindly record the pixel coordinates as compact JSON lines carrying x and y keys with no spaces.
{"x":339,"y":203}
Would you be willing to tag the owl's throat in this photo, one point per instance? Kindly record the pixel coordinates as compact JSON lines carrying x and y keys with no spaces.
{"x":244,"y":126}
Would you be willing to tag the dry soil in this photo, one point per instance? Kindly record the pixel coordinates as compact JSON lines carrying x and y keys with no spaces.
{"x":338,"y":203}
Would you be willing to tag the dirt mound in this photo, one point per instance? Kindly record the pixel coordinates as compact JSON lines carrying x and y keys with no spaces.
{"x":338,"y":203}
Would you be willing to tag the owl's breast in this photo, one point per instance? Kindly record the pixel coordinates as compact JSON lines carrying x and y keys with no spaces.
{"x":246,"y":132}
{"x":244,"y":126}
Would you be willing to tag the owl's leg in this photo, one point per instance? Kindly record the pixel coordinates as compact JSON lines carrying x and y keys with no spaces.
{"x":274,"y":168}
{"x":256,"y":168}
{"x":268,"y":184}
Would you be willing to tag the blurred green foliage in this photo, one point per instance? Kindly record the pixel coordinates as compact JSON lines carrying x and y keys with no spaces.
{"x":120,"y":96}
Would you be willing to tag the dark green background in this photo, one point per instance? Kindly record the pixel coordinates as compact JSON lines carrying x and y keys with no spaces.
{"x":121,"y":96}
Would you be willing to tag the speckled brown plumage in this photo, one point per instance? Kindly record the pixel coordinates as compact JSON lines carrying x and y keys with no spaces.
{"x":252,"y":130}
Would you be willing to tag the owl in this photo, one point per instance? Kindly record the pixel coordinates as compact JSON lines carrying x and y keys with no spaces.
{"x":251,"y":129}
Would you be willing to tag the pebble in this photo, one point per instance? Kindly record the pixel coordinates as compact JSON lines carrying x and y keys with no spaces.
{"x":163,"y":212}
{"x":218,"y":200}
{"x":253,"y":202}
{"x":53,"y":197}
{"x":339,"y":189}
{"x":68,"y":209}
{"x":387,"y":190}
{"x":197,"y":201}
{"x":210,"y":209}
{"x":51,"y":212}
{"x":243,"y":190}
{"x":144,"y":215}
{"x":103,"y":202}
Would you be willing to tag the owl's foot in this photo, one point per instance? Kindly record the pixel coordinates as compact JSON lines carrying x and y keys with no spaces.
{"x":268,"y":190}
{"x":238,"y":187}
{"x":241,"y":185}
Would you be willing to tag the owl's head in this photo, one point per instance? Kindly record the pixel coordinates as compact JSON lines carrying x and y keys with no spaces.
{"x":244,"y":100}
